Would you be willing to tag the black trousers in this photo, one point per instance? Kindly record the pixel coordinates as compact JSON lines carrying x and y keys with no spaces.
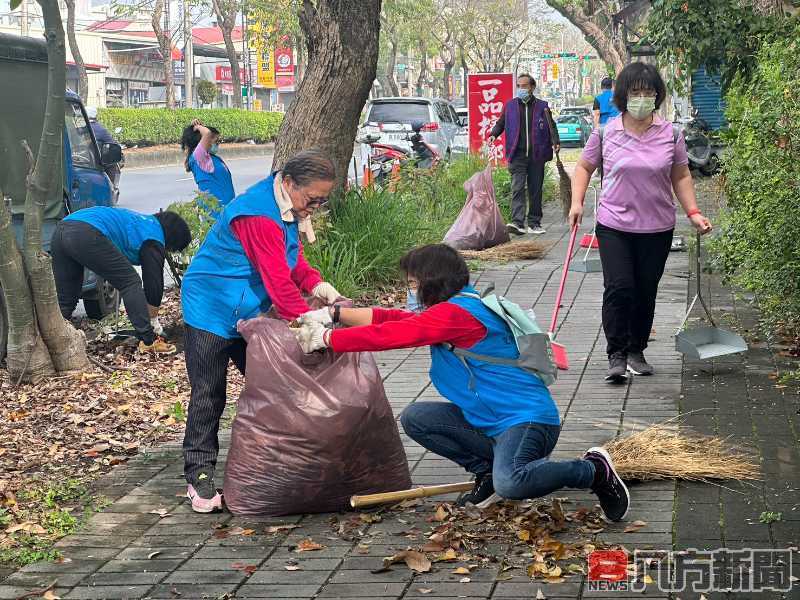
{"x":76,"y":245}
{"x":526,"y":174}
{"x":633,"y":264}
{"x":207,"y":358}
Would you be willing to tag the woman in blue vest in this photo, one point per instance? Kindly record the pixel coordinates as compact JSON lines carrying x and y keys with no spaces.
{"x":251,"y":261}
{"x":501,"y":423}
{"x":109,"y":242}
{"x":210,"y":172}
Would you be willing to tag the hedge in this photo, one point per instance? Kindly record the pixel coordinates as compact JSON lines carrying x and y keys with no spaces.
{"x":151,"y":126}
{"x":759,"y":244}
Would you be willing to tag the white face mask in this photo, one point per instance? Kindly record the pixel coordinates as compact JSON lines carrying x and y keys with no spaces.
{"x":641,"y":108}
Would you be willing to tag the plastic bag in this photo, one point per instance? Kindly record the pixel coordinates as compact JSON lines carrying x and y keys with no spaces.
{"x":479,"y":225}
{"x":309,"y":434}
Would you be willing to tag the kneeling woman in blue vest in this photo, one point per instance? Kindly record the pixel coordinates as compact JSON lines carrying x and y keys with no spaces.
{"x":210,"y":172}
{"x":501,"y":423}
{"x":251,"y":260}
{"x":109,"y":241}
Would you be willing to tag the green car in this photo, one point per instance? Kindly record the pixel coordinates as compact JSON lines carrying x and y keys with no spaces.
{"x":573,"y":129}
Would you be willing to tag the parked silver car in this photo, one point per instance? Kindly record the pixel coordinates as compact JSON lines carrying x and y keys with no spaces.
{"x":440,"y":124}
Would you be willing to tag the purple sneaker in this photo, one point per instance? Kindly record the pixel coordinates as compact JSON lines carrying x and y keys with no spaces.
{"x":204,"y":496}
{"x":615,"y":500}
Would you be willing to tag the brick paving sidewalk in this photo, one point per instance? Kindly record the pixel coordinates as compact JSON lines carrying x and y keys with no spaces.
{"x":128,"y":552}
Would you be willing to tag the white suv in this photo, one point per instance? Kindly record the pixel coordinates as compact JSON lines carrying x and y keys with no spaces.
{"x":438,"y":120}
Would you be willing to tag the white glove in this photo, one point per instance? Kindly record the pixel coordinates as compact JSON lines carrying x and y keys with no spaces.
{"x":311,"y":336}
{"x":157,"y":328}
{"x":322,"y":316}
{"x":326,"y":292}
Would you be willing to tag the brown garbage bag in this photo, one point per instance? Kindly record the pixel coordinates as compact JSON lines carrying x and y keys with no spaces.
{"x":479,"y":225}
{"x":309,"y":434}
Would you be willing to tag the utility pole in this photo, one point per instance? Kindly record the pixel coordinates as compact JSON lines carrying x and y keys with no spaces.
{"x":188,"y":56}
{"x":245,"y":59}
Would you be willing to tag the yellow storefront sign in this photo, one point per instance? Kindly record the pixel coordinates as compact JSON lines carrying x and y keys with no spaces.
{"x":266,"y":68}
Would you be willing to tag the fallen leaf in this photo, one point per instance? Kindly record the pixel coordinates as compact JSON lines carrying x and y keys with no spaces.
{"x":174,"y":591}
{"x":524,"y":535}
{"x":153,"y":555}
{"x":460,"y":571}
{"x":161,"y":512}
{"x":96,"y":450}
{"x":249,"y":569}
{"x":62,"y":560}
{"x":464,"y":580}
{"x":450,"y":554}
{"x":280,"y":528}
{"x":292,"y":568}
{"x":648,"y":580}
{"x":432,"y":547}
{"x":635,"y":526}
{"x":554,"y":579}
{"x":416,"y":561}
{"x":424,"y":590}
{"x":49,"y":595}
{"x":308,"y":545}
{"x":441,"y":513}
{"x":540,"y":595}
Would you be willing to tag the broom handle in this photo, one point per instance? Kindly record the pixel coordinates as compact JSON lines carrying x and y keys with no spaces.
{"x":420,"y":492}
{"x":563,"y":278}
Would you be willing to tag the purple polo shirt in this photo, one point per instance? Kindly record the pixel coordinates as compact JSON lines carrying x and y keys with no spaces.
{"x":637,"y":188}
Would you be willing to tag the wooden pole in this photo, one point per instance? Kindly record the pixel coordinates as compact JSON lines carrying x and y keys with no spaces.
{"x":420,"y":492}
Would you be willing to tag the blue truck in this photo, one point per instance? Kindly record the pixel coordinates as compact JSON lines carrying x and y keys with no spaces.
{"x":23,"y":71}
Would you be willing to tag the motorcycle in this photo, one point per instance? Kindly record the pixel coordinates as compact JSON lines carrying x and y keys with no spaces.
{"x":386,"y":158}
{"x":702,"y":155}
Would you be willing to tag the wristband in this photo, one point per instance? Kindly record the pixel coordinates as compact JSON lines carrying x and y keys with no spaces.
{"x":693,"y":212}
{"x":336,"y":313}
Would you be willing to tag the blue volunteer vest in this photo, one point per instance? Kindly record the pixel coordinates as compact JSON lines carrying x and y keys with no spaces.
{"x":219,"y":183}
{"x":607,"y":109}
{"x":221,"y":285}
{"x":492,"y":397}
{"x":126,"y":229}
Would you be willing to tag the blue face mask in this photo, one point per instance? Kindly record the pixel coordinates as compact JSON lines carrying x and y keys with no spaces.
{"x":412,"y":303}
{"x":523,"y":94}
{"x":214,"y":149}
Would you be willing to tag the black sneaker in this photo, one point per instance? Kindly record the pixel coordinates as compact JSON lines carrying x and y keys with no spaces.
{"x":515,"y":229}
{"x":638,"y":365}
{"x":203,"y":494}
{"x":617,"y":368}
{"x":481,"y":493}
{"x":608,"y":485}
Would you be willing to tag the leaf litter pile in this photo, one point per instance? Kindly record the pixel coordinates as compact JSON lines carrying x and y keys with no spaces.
{"x":60,"y":434}
{"x":539,"y":539}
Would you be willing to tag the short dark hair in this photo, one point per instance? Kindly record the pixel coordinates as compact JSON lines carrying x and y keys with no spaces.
{"x":635,"y":76}
{"x":190,"y":138}
{"x":177,"y":234}
{"x":440,"y":271}
{"x":309,"y":166}
{"x":530,"y":78}
{"x":607,"y":83}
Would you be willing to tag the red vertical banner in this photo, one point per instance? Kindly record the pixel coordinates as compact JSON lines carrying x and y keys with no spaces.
{"x":488,"y":93}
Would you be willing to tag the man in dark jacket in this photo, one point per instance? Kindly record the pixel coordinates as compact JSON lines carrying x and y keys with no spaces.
{"x":531,"y":138}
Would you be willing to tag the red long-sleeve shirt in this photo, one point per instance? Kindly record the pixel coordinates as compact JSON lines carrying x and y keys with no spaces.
{"x":391,"y":329}
{"x":264,"y":244}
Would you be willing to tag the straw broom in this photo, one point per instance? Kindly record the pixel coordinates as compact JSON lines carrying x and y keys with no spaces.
{"x":507,"y":252}
{"x":661,"y":451}
{"x":564,"y":187}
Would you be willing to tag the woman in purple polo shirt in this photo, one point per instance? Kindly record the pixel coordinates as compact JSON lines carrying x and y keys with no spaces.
{"x":643,"y":162}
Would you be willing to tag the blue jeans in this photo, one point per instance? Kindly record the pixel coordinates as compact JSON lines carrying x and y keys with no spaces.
{"x":517,"y":458}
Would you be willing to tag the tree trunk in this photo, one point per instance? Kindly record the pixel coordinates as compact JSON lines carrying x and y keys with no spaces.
{"x":165,"y":46}
{"x":67,"y":346}
{"x":83,"y":80}
{"x":391,"y":66}
{"x":342,"y":41}
{"x":465,"y":70}
{"x":226,"y":18}
{"x":27,"y":355}
{"x":423,"y":68}
{"x":596,"y":28}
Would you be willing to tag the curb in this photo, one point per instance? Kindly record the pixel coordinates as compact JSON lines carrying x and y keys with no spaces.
{"x":174,"y":156}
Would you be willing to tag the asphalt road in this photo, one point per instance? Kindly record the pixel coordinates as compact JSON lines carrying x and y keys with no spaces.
{"x":151,"y":188}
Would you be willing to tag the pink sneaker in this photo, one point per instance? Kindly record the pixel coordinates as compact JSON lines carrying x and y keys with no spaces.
{"x":205,"y":498}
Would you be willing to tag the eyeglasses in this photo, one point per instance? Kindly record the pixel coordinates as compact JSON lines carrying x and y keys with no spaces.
{"x":314,"y":202}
